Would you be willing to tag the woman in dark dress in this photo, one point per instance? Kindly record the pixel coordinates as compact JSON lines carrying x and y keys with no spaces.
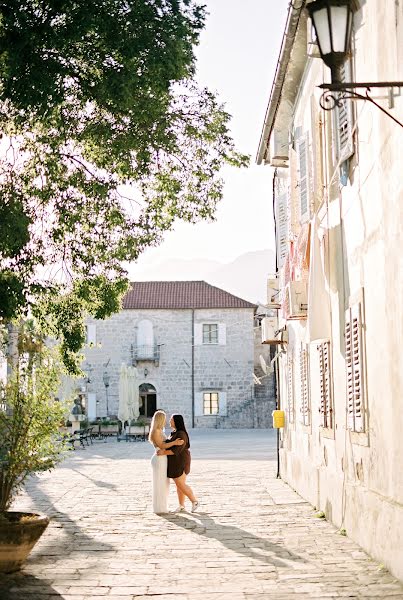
{"x":179,"y":462}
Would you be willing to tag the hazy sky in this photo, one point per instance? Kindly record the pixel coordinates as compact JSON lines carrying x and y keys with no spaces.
{"x":237,"y":58}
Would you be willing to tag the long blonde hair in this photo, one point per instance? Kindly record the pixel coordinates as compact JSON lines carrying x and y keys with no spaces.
{"x":157,"y":422}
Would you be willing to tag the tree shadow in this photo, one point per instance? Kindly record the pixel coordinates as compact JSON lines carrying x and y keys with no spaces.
{"x":21,"y":586}
{"x":74,"y":535}
{"x":238,"y":540}
{"x":98,"y":483}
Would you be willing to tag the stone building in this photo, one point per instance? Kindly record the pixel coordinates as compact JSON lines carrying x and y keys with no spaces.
{"x":193,"y":347}
{"x":338,"y":198}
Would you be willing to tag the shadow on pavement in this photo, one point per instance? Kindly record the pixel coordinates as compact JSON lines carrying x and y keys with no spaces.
{"x":238,"y":540}
{"x":98,"y":483}
{"x":23,"y":586}
{"x":74,"y":535}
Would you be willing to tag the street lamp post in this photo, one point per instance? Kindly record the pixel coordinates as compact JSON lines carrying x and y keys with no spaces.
{"x":106,"y":380}
{"x":332,"y":21}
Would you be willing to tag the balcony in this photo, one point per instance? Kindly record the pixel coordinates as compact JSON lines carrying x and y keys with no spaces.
{"x":150,"y":353}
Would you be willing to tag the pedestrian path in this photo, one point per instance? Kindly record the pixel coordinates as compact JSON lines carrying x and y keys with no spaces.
{"x":253,"y":539}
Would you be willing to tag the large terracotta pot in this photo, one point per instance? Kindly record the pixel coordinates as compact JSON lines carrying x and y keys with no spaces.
{"x":19,"y":533}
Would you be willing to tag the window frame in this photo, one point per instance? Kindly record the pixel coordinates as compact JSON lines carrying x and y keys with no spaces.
{"x":210,"y":400}
{"x":326,"y":406}
{"x":305,"y":390}
{"x":209,"y":342}
{"x":355,"y":369}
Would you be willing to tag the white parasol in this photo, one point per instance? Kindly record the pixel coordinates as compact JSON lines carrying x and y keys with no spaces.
{"x":123,"y":411}
{"x":133,"y":394}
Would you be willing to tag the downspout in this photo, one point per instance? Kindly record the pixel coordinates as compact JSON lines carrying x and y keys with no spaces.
{"x":277,"y":368}
{"x":193,"y":368}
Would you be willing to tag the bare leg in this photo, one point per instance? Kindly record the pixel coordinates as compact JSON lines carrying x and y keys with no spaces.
{"x":181,"y":496}
{"x":185,"y":490}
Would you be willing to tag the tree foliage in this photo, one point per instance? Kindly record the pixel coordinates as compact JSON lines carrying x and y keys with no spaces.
{"x":29,"y":440}
{"x":107,"y":140}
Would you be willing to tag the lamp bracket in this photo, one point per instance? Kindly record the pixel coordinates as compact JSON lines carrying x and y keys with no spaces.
{"x":336,"y":93}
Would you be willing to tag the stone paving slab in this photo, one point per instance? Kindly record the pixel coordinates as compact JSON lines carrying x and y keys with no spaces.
{"x":254,"y":538}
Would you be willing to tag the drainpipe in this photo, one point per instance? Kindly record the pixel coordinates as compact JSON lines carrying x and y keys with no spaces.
{"x":193,"y":368}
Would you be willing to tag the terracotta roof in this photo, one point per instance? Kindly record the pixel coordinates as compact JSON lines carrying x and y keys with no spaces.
{"x":180,"y":294}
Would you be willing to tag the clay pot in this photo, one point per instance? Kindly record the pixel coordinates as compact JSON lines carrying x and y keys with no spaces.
{"x":19,"y":533}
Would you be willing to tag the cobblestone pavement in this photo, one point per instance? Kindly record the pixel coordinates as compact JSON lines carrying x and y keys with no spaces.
{"x":254,"y":538}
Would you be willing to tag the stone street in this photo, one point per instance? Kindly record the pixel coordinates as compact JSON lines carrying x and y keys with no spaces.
{"x":253,"y":538}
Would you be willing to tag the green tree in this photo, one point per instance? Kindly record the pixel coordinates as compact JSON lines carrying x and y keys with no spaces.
{"x":107,"y":140}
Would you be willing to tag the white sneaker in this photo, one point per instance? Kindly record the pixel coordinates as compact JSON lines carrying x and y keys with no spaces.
{"x":195,"y":506}
{"x":180,"y":509}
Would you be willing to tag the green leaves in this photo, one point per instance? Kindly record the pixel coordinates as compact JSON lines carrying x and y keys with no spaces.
{"x":97,"y":98}
{"x":29,"y":440}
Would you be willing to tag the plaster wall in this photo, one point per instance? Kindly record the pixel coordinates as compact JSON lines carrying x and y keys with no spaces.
{"x":356,"y":479}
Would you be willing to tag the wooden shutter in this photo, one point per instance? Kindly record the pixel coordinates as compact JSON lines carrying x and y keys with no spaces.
{"x":303,"y":177}
{"x":222,"y":404}
{"x":344,"y":120}
{"x":282,"y":228}
{"x":326,"y":409}
{"x":290,"y":388}
{"x":354,"y":369}
{"x":91,"y":334}
{"x":304,"y":383}
{"x":198,"y":334}
{"x":222,"y":334}
{"x":199,"y":404}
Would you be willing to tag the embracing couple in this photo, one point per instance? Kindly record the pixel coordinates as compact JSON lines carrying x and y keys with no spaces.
{"x":171,"y":460}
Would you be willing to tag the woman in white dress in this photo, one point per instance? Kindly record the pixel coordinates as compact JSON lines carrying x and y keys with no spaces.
{"x":159,"y":464}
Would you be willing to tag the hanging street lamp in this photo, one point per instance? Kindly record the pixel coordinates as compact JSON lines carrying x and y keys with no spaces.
{"x":332,"y":21}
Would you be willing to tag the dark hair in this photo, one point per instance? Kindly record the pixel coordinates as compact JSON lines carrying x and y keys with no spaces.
{"x":179,"y":423}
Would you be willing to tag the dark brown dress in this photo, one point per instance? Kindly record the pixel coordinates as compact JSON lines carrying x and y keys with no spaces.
{"x":179,"y":461}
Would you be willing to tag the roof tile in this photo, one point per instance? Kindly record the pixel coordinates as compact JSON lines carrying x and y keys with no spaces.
{"x":180,"y":294}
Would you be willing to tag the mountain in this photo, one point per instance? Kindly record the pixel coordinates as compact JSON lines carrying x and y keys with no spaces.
{"x":245,"y":277}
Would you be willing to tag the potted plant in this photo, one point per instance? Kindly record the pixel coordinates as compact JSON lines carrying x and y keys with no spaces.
{"x":29,"y":442}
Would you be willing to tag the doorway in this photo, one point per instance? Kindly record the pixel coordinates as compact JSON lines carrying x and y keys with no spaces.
{"x":147,"y":400}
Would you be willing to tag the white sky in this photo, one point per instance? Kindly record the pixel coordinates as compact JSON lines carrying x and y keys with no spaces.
{"x":237,"y":58}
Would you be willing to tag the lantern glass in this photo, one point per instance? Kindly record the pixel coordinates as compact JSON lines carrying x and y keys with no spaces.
{"x":322,"y":27}
{"x":339,"y":23}
{"x":332,"y":21}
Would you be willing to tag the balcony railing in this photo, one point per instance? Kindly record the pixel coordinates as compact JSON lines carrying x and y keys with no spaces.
{"x":139,"y":353}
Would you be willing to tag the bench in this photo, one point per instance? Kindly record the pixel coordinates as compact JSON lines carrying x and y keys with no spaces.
{"x":81,"y":436}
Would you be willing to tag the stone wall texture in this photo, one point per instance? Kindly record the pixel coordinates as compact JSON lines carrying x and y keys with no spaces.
{"x":225,"y":367}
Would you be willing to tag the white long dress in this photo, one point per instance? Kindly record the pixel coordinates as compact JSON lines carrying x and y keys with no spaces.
{"x":159,"y":466}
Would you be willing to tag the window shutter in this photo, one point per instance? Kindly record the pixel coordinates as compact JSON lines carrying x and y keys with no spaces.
{"x":222,"y":404}
{"x":198,"y":334}
{"x":344,"y":120}
{"x":91,"y":406}
{"x":198,"y":404}
{"x":290,"y":388}
{"x":222,"y":334}
{"x":303,"y":177}
{"x":282,"y":228}
{"x":326,"y":410}
{"x":354,"y":368}
{"x":304,"y":382}
{"x":91,"y":334}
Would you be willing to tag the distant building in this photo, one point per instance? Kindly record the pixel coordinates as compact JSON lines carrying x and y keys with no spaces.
{"x":193,"y":346}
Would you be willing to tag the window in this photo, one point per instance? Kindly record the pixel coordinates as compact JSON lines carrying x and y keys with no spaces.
{"x":290,"y":388}
{"x":355,"y":369}
{"x":326,"y":408}
{"x":304,"y":382}
{"x":210,"y":333}
{"x":210,"y":403}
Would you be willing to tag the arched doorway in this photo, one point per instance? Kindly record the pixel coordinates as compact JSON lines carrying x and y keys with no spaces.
{"x":147,"y":400}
